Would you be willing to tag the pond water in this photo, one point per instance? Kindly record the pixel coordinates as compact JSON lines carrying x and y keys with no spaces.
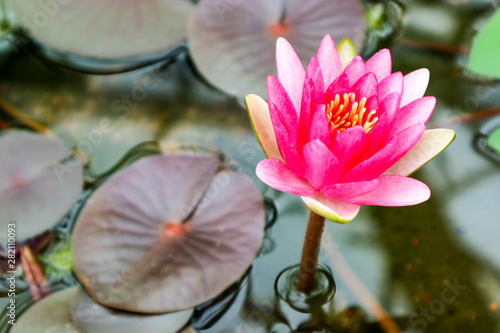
{"x":434,"y":267}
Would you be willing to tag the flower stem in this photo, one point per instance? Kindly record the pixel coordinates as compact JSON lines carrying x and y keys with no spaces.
{"x":310,"y":253}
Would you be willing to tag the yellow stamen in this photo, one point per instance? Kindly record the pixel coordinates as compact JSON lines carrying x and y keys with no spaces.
{"x":349,"y":113}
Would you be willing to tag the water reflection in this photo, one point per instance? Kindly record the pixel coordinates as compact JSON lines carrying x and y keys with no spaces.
{"x":286,"y":289}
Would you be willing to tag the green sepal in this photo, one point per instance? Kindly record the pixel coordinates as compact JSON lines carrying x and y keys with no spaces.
{"x":346,"y":51}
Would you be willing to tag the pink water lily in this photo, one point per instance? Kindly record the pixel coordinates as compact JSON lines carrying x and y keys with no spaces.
{"x":345,"y":133}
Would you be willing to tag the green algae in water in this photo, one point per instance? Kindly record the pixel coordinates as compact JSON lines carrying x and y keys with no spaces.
{"x":56,"y":260}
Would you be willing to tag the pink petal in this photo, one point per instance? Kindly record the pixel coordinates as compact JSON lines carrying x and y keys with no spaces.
{"x":387,"y":113}
{"x":431,"y":144}
{"x":380,"y":64}
{"x":286,"y":145}
{"x":416,"y":112}
{"x":355,"y":70}
{"x":372,"y":104}
{"x":406,"y":139}
{"x":279,"y":102}
{"x":312,"y":95}
{"x":334,"y":210}
{"x":395,"y":191}
{"x":415,"y":84}
{"x":333,"y":138}
{"x":340,"y":86}
{"x":276,"y":174}
{"x":349,"y":146}
{"x":329,"y":60}
{"x":390,"y":104}
{"x":366,"y":86}
{"x":290,"y":71}
{"x":319,"y":126}
{"x":314,"y":73}
{"x":361,"y":171}
{"x":306,"y":110}
{"x":321,"y":165}
{"x":345,"y":191}
{"x":258,"y":111}
{"x":392,"y":83}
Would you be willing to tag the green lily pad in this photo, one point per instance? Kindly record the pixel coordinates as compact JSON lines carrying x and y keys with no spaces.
{"x":494,"y":140}
{"x":90,"y":316}
{"x":167,"y":233}
{"x":49,"y":315}
{"x":37,"y":187}
{"x":485,"y":53}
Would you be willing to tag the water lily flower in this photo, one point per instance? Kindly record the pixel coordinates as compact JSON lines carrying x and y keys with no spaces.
{"x":345,"y":132}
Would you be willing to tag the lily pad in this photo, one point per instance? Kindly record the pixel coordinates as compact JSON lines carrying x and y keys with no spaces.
{"x":485,"y":52}
{"x":90,"y":316}
{"x":49,"y":315}
{"x":494,"y":140}
{"x":106,"y":28}
{"x":167,"y":233}
{"x":233,"y":42}
{"x":36,"y":188}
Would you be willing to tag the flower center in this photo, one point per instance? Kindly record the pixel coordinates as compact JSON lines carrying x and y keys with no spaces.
{"x":279,"y":29}
{"x":172,"y":230}
{"x":346,"y":112}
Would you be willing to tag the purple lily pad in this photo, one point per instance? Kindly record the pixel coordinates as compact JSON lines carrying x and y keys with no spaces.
{"x":90,"y":316}
{"x":233,"y":42}
{"x":51,"y":314}
{"x":167,"y":233}
{"x":36,"y":188}
{"x":106,"y":28}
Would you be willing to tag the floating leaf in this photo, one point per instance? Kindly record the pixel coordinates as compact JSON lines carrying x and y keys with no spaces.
{"x":48,"y":315}
{"x":494,"y":140}
{"x":36,"y":188}
{"x":167,"y":233}
{"x":90,"y":316}
{"x":485,"y":52}
{"x":233,"y":42}
{"x":106,"y":28}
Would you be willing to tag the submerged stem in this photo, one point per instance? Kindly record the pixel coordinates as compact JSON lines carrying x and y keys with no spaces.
{"x":310,"y":253}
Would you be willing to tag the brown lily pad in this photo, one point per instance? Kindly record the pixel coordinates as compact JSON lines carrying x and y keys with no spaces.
{"x":49,"y":315}
{"x":233,"y":42}
{"x":167,"y":233}
{"x":37,"y":185}
{"x":90,"y":316}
